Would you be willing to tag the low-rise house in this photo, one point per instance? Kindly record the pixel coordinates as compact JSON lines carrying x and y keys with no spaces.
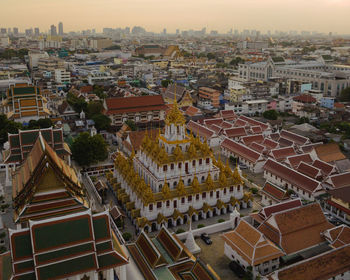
{"x":333,"y":264}
{"x":254,"y":160}
{"x":288,"y":178}
{"x":272,"y":194}
{"x":204,"y":133}
{"x":297,"y":229}
{"x":250,"y":248}
{"x":338,"y":205}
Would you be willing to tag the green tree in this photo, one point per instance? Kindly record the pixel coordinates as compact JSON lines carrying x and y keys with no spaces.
{"x":87,"y":150}
{"x":7,"y":126}
{"x":102,"y":122}
{"x":99,"y":91}
{"x":131,"y":124}
{"x":94,"y":108}
{"x":345,"y":95}
{"x":270,"y":115}
{"x":165,"y":83}
{"x":78,"y":104}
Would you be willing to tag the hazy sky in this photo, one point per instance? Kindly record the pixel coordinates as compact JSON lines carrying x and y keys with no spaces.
{"x":154,"y":15}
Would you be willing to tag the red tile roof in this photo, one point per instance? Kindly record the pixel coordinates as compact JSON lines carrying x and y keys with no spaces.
{"x":295,"y":160}
{"x":267,"y":211}
{"x":296,"y":229}
{"x":325,"y":167}
{"x":253,"y":138}
{"x":200,"y":130}
{"x":228,"y":114}
{"x":275,"y":192}
{"x":321,"y":267}
{"x":293,"y":177}
{"x":282,"y":153}
{"x":192,"y":111}
{"x":270,"y":144}
{"x":305,"y":98}
{"x":253,"y":122}
{"x":235,"y":132}
{"x":329,"y":152}
{"x":116,"y":105}
{"x":309,"y":170}
{"x":240,"y":150}
{"x":340,"y":180}
{"x":257,"y":147}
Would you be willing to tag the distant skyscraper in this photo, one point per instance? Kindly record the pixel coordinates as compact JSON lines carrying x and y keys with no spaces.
{"x":29,"y":32}
{"x":53,"y":30}
{"x":3,"y":30}
{"x":164,"y":31}
{"x":9,"y":31}
{"x":60,"y":29}
{"x":15,"y":31}
{"x":177,"y":31}
{"x":36,"y":31}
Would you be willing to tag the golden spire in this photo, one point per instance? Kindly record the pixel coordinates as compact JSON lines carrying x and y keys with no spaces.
{"x":222,"y":179}
{"x":209,"y":182}
{"x":181,"y":187}
{"x":195,"y":184}
{"x":175,"y":116}
{"x":166,"y":189}
{"x":237,"y":177}
{"x":178,"y":153}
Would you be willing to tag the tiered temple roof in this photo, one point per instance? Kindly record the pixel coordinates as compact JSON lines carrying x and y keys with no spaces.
{"x":45,"y":186}
{"x":65,"y":246}
{"x":22,"y":143}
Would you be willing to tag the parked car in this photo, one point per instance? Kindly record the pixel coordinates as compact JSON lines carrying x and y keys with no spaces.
{"x":237,"y":269}
{"x":206,"y":238}
{"x":242,"y":166}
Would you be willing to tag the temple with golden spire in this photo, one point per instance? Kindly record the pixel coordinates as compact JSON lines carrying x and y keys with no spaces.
{"x":176,"y":178}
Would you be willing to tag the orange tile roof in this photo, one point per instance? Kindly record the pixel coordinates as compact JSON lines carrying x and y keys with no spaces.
{"x":296,"y":229}
{"x":251,"y":245}
{"x":329,"y":152}
{"x":322,"y":267}
{"x":338,"y":236}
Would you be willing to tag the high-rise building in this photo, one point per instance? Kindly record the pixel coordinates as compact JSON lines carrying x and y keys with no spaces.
{"x":177,"y":31}
{"x":53,"y":30}
{"x":60,"y":29}
{"x":29,"y":32}
{"x":36,"y":31}
{"x":164,"y":31}
{"x":15,"y":31}
{"x":3,"y":30}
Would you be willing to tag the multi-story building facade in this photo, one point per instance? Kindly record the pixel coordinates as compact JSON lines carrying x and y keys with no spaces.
{"x":62,"y":76}
{"x":176,"y":178}
{"x":210,"y":95}
{"x":50,"y":64}
{"x":329,"y":78}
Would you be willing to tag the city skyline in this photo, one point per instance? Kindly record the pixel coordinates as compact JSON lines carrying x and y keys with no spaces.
{"x":157,"y":15}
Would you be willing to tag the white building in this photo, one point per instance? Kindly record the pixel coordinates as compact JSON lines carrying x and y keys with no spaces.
{"x":62,"y":76}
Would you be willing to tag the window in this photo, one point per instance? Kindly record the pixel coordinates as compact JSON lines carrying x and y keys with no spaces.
{"x":172,"y":166}
{"x":217,"y":194}
{"x":189,"y":198}
{"x":150,"y":207}
{"x":224,"y":190}
{"x":180,"y":165}
{"x":183,"y":200}
{"x":175,"y":203}
{"x":194,"y":163}
{"x":239,"y":188}
{"x":159,"y":204}
{"x":200,"y":161}
{"x":197,"y":196}
{"x":211,"y":193}
{"x":167,"y":203}
{"x":204,"y":195}
{"x":231,"y":189}
{"x":207,"y":160}
{"x":165,"y":168}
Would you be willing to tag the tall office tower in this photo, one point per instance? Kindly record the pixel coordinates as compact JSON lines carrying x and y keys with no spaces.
{"x":177,"y":31}
{"x":36,"y":31}
{"x":29,"y":32}
{"x":204,"y":30}
{"x":9,"y":31}
{"x":164,"y":31}
{"x":60,"y":29}
{"x":15,"y":31}
{"x":53,"y":30}
{"x":3,"y":30}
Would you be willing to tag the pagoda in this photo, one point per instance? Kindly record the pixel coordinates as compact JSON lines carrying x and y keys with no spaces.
{"x":176,"y":178}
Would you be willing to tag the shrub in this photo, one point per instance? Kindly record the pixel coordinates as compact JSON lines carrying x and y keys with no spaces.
{"x":127,"y":236}
{"x":254,"y":190}
{"x":200,"y":226}
{"x":221,"y":220}
{"x":180,"y":230}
